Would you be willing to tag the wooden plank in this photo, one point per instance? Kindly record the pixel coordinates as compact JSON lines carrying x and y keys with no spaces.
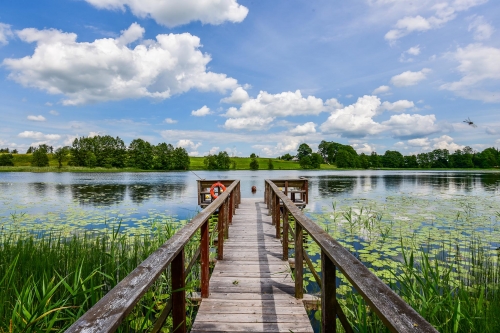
{"x":252,"y":289}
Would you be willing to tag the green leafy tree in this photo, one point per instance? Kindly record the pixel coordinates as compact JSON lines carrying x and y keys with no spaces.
{"x":254,"y":164}
{"x":180,"y":159}
{"x":305,"y":162}
{"x":392,"y":159}
{"x":488,"y":158}
{"x":270,"y":164}
{"x":316,"y":160}
{"x":303,"y":151}
{"x":221,"y":161}
{"x":410,"y":161}
{"x":347,"y":158}
{"x":163,"y":154}
{"x":140,"y":154}
{"x":424,"y":160}
{"x":6,"y":160}
{"x":252,"y":155}
{"x":30,"y":150}
{"x":375,"y":160}
{"x":364,"y":161}
{"x":61,"y":154}
{"x":40,"y":158}
{"x":14,"y":151}
{"x":287,"y":157}
{"x":4,"y":150}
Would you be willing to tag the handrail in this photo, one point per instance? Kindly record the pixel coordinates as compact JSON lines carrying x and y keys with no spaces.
{"x":107,"y":314}
{"x":394,"y":312}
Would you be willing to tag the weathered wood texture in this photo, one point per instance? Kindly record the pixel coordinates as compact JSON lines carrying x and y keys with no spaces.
{"x":107,"y":314}
{"x":251,"y":289}
{"x":397,"y":315}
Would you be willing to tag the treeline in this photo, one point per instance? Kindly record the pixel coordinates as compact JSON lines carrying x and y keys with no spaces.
{"x":109,"y":152}
{"x":345,"y":156}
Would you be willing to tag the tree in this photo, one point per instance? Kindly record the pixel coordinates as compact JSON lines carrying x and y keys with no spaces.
{"x":61,"y":154}
{"x":392,"y":159}
{"x":316,"y":160}
{"x":303,"y":151}
{"x":6,"y":160}
{"x":140,"y":154}
{"x":221,"y":161}
{"x":287,"y":157}
{"x":410,"y":161}
{"x":180,"y":159}
{"x":30,"y":150}
{"x":254,"y":164}
{"x":375,"y":160}
{"x":270,"y":164}
{"x":305,"y":162}
{"x":364,"y":161}
{"x":162,"y":156}
{"x":4,"y":150}
{"x":252,"y":155}
{"x":347,"y":158}
{"x":14,"y":151}
{"x":40,"y":158}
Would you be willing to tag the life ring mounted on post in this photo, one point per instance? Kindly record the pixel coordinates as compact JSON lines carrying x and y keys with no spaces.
{"x":212,"y":188}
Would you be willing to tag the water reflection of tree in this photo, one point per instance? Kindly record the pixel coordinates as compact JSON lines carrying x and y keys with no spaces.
{"x":98,"y":195}
{"x":40,"y":189}
{"x":393,"y":182}
{"x":335,"y":186}
{"x":141,"y":192}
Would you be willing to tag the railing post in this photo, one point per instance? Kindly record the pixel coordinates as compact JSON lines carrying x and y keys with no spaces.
{"x":299,"y":261}
{"x":285,"y":233}
{"x":205,"y":257}
{"x":220,"y":233}
{"x":178,"y":293}
{"x":277,"y":216}
{"x":328,"y":295}
{"x":227,"y":210}
{"x":231,"y":208}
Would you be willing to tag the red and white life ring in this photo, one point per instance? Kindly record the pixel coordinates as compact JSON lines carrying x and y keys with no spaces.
{"x":218,"y":184}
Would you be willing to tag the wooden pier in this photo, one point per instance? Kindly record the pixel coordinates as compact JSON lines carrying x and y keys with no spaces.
{"x":252,"y":289}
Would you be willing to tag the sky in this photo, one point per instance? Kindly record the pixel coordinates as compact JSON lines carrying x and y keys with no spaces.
{"x":252,"y":76}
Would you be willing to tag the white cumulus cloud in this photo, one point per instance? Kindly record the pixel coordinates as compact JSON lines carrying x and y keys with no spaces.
{"x":305,"y":129}
{"x":36,"y":118}
{"x":479,"y":66}
{"x":5,"y":33}
{"x":54,"y":112}
{"x":381,"y":90}
{"x":238,"y":96}
{"x":410,"y":78}
{"x":170,"y":121}
{"x":38,"y":136}
{"x":249,"y":123}
{"x":172,"y":13}
{"x":406,"y":126}
{"x":188,"y":144}
{"x":201,"y":112}
{"x":355,"y":120}
{"x":398,"y":106}
{"x":107,"y":69}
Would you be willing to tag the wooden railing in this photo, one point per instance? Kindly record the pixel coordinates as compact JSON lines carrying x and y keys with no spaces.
{"x":395,"y":313}
{"x":107,"y":314}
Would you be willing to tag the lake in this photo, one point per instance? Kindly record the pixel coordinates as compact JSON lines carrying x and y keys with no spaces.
{"x":65,"y":201}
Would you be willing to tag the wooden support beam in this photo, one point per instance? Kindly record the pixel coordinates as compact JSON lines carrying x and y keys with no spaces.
{"x":178,"y":294}
{"x":220,"y":233}
{"x":299,"y":262}
{"x":205,"y":257}
{"x":277,"y":216}
{"x":328,"y":296}
{"x":285,"y":233}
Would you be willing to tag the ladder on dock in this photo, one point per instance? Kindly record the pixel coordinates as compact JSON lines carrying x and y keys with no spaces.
{"x":252,"y":289}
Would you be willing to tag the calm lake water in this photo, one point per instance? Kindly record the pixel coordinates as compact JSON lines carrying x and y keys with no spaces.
{"x":62,"y":201}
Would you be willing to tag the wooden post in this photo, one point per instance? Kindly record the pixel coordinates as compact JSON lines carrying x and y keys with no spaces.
{"x":285,"y":233}
{"x":231,"y":208}
{"x":220,"y":233}
{"x":277,"y":216}
{"x":178,"y":293}
{"x":273,"y":208}
{"x":227,"y":209}
{"x":266,"y":194}
{"x":205,"y":257}
{"x":328,"y":295}
{"x":299,"y":261}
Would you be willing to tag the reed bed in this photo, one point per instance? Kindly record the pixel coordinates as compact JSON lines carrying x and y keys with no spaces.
{"x":48,"y":280}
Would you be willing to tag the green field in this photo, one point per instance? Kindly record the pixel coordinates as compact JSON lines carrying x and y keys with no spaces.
{"x":22,"y":163}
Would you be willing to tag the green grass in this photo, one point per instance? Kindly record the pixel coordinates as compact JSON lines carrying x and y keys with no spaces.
{"x":47,"y":281}
{"x":22,"y":163}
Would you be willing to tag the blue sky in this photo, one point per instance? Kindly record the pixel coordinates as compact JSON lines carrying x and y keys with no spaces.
{"x":252,"y":76}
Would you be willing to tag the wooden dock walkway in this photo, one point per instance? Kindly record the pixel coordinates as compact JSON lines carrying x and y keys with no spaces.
{"x":252,"y":289}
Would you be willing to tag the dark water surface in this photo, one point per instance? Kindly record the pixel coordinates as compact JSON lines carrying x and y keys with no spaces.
{"x":87,"y":198}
